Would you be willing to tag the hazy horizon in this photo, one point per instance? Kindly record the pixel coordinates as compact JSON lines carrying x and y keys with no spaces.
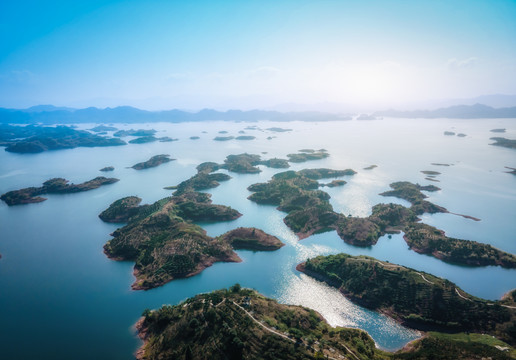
{"x":161,"y":55}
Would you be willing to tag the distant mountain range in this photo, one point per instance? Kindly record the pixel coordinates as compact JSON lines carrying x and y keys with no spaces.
{"x":48,"y":114}
{"x":477,"y":111}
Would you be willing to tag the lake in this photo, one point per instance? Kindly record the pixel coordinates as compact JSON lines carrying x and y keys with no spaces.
{"x":62,"y":298}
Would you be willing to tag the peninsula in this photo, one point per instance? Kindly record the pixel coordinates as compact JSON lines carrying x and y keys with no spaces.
{"x":52,"y":186}
{"x":417,"y":299}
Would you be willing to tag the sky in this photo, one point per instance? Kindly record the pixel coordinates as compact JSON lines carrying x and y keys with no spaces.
{"x":254,"y":54}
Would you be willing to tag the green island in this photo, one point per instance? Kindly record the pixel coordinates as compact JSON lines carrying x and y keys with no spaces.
{"x":307,"y":154}
{"x":440,"y":164}
{"x":309,"y":212}
{"x":461,"y":135}
{"x":416,"y":299}
{"x":154,"y":161}
{"x":143,"y":140}
{"x":252,"y":239}
{"x":223,"y":138}
{"x":500,"y":130}
{"x":449,"y":133}
{"x":195,"y":137}
{"x":107,"y":168}
{"x":500,"y":141}
{"x":239,"y":323}
{"x":132,"y":132}
{"x":103,"y":128}
{"x":242,"y":164}
{"x":430,"y":172}
{"x":164,"y":242}
{"x":245,"y":137}
{"x":273,"y":129}
{"x":36,"y":139}
{"x":52,"y":186}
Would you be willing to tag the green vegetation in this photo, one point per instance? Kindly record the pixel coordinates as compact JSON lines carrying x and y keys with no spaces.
{"x":417,"y":299}
{"x":132,"y":132}
{"x":223,"y":138}
{"x":242,"y":324}
{"x":370,"y":167}
{"x":107,"y":168}
{"x":35,"y":139}
{"x":252,"y":239}
{"x":122,"y":210}
{"x":154,"y":161}
{"x":412,"y":193}
{"x":165,"y":245}
{"x":427,"y":239}
{"x":52,"y":186}
{"x":296,"y":193}
{"x":307,"y":154}
{"x":430,"y":172}
{"x":500,"y":141}
{"x":143,"y":140}
{"x":245,"y":137}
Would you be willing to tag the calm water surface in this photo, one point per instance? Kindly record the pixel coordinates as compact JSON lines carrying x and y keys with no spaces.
{"x":61,"y":298}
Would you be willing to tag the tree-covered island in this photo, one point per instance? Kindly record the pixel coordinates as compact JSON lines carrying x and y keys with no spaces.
{"x":416,"y":299}
{"x":243,"y":324}
{"x":52,"y":186}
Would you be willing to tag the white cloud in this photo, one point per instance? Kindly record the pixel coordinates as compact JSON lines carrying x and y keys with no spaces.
{"x":455,"y":64}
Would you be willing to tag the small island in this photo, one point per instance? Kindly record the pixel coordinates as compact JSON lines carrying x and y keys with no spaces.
{"x":503,"y":142}
{"x":107,"y":168}
{"x":307,"y":154}
{"x":252,"y":239}
{"x":430,"y":172}
{"x":143,"y":140}
{"x":195,"y":137}
{"x":132,"y":132}
{"x":511,"y":170}
{"x":416,"y":299}
{"x":370,"y":167}
{"x":103,"y":128}
{"x":52,"y":186}
{"x":245,"y":137}
{"x":273,"y":129}
{"x":500,"y":130}
{"x":154,"y":161}
{"x":239,"y":323}
{"x":223,"y":138}
{"x":449,"y":133}
{"x":461,"y":135}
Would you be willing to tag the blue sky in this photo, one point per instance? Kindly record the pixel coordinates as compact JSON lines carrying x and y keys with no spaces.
{"x":245,"y":54}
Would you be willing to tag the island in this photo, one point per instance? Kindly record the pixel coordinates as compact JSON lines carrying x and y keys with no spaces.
{"x":309,"y":212}
{"x":449,"y":133}
{"x":370,"y":167}
{"x":416,"y":299}
{"x":500,"y":130}
{"x":239,"y":323}
{"x":164,"y":242}
{"x":430,"y":172}
{"x":143,"y":140}
{"x":194,"y":137}
{"x":500,"y":141}
{"x":36,"y":139}
{"x":132,"y":132}
{"x":461,"y":135}
{"x":103,"y":128}
{"x":307,"y":154}
{"x":223,"y":138}
{"x":252,"y":239}
{"x":245,"y":137}
{"x":273,"y":129}
{"x":107,"y":168}
{"x":167,"y":139}
{"x":52,"y":186}
{"x":154,"y":161}
{"x":440,"y":164}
